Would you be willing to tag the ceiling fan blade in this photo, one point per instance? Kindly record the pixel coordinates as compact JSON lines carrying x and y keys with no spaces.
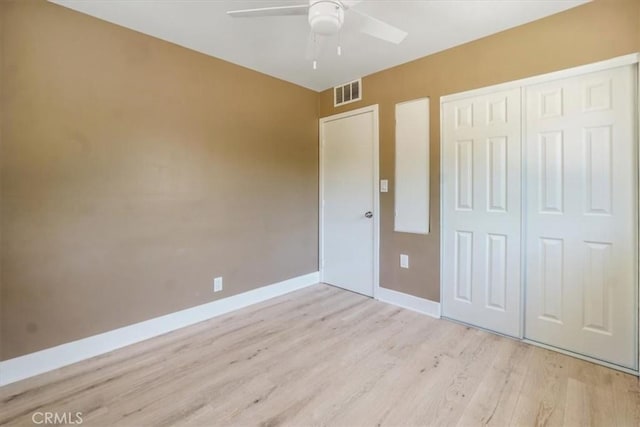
{"x":377,"y":28}
{"x":299,"y":9}
{"x":315,"y":46}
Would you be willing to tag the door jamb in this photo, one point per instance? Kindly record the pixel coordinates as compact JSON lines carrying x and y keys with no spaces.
{"x":376,"y":190}
{"x":637,"y":138}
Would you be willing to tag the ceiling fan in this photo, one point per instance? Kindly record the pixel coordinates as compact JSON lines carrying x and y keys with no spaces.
{"x":326,"y":18}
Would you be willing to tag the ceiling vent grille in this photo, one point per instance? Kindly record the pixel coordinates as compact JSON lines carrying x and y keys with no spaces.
{"x":346,"y":93}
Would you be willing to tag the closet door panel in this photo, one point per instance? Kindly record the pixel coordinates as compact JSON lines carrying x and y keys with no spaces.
{"x":581,"y":215}
{"x":481,"y":219}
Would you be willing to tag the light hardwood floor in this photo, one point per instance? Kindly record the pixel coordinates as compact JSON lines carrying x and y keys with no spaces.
{"x":324,"y":356}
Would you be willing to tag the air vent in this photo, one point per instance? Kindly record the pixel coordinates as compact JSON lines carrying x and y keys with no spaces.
{"x":347,"y":93}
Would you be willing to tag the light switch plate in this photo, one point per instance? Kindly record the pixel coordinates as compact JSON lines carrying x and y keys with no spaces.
{"x":384,"y":185}
{"x":217,"y":284}
{"x":404,"y":261}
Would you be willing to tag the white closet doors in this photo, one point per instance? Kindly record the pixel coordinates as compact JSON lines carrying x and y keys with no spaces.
{"x":481,"y":211}
{"x":581,"y":216}
{"x":576,"y":180}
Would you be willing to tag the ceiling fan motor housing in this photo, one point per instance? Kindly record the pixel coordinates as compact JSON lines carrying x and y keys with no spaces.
{"x":325,"y":16}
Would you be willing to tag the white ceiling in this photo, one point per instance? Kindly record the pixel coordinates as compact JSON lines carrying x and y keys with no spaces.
{"x":276,"y":45}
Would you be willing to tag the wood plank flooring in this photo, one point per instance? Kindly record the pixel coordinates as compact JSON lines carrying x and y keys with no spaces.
{"x":324,"y":356}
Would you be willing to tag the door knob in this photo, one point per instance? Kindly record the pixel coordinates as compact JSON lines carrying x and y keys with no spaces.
{"x":369,"y":214}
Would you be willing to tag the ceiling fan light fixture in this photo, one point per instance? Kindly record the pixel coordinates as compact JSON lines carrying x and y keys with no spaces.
{"x":326,"y":17}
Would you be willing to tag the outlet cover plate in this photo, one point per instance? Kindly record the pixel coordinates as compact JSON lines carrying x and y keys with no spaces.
{"x":217,"y":284}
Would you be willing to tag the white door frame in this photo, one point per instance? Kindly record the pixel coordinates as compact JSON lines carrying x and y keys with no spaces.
{"x":630,"y":59}
{"x":376,"y":190}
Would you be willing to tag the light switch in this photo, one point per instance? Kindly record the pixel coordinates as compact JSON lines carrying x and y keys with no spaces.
{"x":384,"y":185}
{"x":404,"y":261}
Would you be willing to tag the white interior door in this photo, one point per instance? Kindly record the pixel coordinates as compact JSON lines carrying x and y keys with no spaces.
{"x":348,"y":197}
{"x":481,"y":178}
{"x":581,"y":216}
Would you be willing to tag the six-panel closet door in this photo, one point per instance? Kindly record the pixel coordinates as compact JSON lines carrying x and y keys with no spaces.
{"x":581,"y":215}
{"x":481,"y":211}
{"x":540,"y":212}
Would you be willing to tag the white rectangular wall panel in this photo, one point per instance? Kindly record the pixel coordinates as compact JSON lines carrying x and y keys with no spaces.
{"x":412,"y":167}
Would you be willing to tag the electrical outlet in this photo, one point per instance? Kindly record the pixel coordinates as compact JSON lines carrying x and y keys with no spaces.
{"x":404,"y":261}
{"x":217,"y":284}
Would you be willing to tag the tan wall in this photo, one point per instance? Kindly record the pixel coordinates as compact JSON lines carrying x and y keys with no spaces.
{"x":134,"y":171}
{"x":592,"y":32}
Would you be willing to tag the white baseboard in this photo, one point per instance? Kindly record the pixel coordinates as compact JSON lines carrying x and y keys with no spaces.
{"x":421,"y":305}
{"x":33,"y":364}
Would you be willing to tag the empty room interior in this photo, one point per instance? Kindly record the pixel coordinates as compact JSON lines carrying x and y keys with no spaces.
{"x":319,"y":212}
